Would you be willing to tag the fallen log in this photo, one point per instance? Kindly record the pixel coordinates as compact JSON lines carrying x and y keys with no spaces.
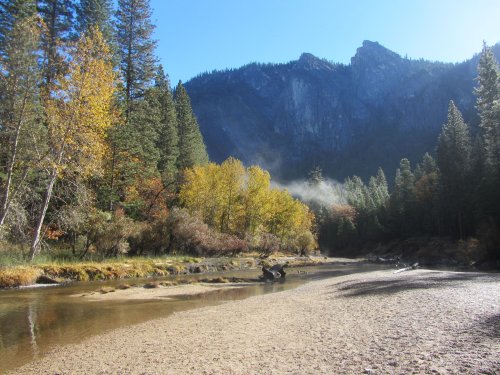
{"x":412,"y":267}
{"x":270,"y":275}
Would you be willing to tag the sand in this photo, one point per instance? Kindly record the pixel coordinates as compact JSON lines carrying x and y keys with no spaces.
{"x":373,"y":323}
{"x":160,"y":292}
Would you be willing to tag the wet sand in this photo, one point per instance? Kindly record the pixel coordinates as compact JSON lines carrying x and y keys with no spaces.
{"x":373,"y":323}
{"x":160,"y":292}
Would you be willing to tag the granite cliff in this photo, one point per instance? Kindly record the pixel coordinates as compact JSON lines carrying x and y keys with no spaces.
{"x":347,"y":119}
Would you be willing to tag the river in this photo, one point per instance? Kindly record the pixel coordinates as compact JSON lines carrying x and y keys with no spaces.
{"x":35,"y":320}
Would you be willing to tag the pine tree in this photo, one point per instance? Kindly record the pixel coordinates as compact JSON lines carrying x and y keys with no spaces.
{"x":136,"y":48}
{"x":402,"y":199}
{"x":168,"y":138}
{"x":192,"y":150}
{"x":58,"y":16}
{"x":315,"y":176}
{"x":19,"y":108}
{"x":13,"y":11}
{"x":453,"y":159}
{"x":134,"y":155}
{"x":427,"y":195}
{"x":95,"y":13}
{"x":488,"y":105}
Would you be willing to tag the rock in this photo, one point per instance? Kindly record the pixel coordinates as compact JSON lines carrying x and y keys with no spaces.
{"x":42,"y":279}
{"x":107,"y":289}
{"x":152,"y":285}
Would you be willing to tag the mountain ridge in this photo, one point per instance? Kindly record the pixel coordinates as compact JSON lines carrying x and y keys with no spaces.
{"x":346,"y":119}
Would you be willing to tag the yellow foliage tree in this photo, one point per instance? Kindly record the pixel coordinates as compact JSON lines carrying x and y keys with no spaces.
{"x":78,"y":112}
{"x":240,"y":201}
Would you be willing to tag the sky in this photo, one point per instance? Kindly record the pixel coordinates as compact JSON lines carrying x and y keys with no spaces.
{"x":196,"y":36}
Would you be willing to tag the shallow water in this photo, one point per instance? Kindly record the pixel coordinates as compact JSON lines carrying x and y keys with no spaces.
{"x":35,"y":320}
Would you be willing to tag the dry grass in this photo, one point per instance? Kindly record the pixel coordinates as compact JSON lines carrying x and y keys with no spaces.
{"x":15,"y":276}
{"x":18,"y":276}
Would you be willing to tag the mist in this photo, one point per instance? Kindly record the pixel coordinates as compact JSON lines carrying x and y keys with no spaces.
{"x":324,"y":193}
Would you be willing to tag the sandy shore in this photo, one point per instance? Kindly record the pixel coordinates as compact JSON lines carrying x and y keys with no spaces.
{"x":379,"y":322}
{"x":165,"y":293}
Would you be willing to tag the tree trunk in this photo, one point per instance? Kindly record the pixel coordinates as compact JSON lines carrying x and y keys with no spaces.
{"x":48,"y":195}
{"x":10,"y":168}
{"x":460,"y":225}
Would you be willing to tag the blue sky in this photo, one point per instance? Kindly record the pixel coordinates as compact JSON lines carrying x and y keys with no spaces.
{"x":195,"y":36}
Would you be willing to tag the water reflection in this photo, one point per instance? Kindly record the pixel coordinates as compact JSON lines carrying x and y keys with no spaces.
{"x":33,"y":321}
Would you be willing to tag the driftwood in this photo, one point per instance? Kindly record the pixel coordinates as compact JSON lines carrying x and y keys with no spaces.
{"x":412,"y":267}
{"x":273,"y":273}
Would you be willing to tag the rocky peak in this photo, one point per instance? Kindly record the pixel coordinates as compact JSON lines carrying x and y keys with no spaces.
{"x":373,"y":54}
{"x":308,"y":61}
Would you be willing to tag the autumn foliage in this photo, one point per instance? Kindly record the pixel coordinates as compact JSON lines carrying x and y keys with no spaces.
{"x":240,"y":201}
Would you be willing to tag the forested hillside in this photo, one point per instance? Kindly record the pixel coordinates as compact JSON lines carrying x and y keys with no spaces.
{"x":454,"y":194}
{"x":345,"y":119}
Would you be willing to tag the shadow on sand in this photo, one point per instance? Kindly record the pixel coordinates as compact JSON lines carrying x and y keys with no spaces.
{"x":408,"y":281}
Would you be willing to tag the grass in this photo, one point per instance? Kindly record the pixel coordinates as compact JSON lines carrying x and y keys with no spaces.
{"x":60,"y":265}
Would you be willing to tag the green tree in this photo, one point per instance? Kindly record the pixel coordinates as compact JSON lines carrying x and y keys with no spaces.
{"x":136,"y":48}
{"x":58,"y":16}
{"x":19,"y":108}
{"x":168,"y":138}
{"x":13,"y":11}
{"x":427,"y":196}
{"x":453,"y":159}
{"x":402,"y":199}
{"x":95,"y":13}
{"x":192,"y":150}
{"x":488,"y":105}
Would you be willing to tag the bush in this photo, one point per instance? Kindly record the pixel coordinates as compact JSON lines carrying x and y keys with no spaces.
{"x":191,"y":235}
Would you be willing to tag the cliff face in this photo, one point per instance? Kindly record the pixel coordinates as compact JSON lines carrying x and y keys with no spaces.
{"x":347,"y":119}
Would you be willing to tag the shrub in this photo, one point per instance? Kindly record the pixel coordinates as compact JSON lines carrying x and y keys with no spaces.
{"x":191,"y":235}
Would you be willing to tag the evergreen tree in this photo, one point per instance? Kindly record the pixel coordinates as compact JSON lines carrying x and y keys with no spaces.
{"x":19,"y":108}
{"x":488,"y":105}
{"x":428,"y":164}
{"x":95,"y":13}
{"x":316,"y":176}
{"x":58,"y":16}
{"x":403,"y":199}
{"x":136,"y":48}
{"x":379,"y":190}
{"x":12,"y":11}
{"x":427,"y":196}
{"x":453,"y":159}
{"x":168,"y":138}
{"x":134,"y":155}
{"x":192,"y":150}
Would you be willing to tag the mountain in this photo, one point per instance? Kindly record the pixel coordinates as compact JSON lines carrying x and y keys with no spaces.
{"x":346,"y":119}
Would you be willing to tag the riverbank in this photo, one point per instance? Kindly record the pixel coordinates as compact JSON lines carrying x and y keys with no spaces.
{"x":129,"y":268}
{"x":378,"y":322}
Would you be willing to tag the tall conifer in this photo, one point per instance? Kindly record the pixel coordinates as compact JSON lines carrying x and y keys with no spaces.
{"x":11,"y":12}
{"x":192,"y":150}
{"x":168,"y":138}
{"x":453,"y":159}
{"x":488,"y":105}
{"x":136,"y":48}
{"x":58,"y":16}
{"x":95,"y":13}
